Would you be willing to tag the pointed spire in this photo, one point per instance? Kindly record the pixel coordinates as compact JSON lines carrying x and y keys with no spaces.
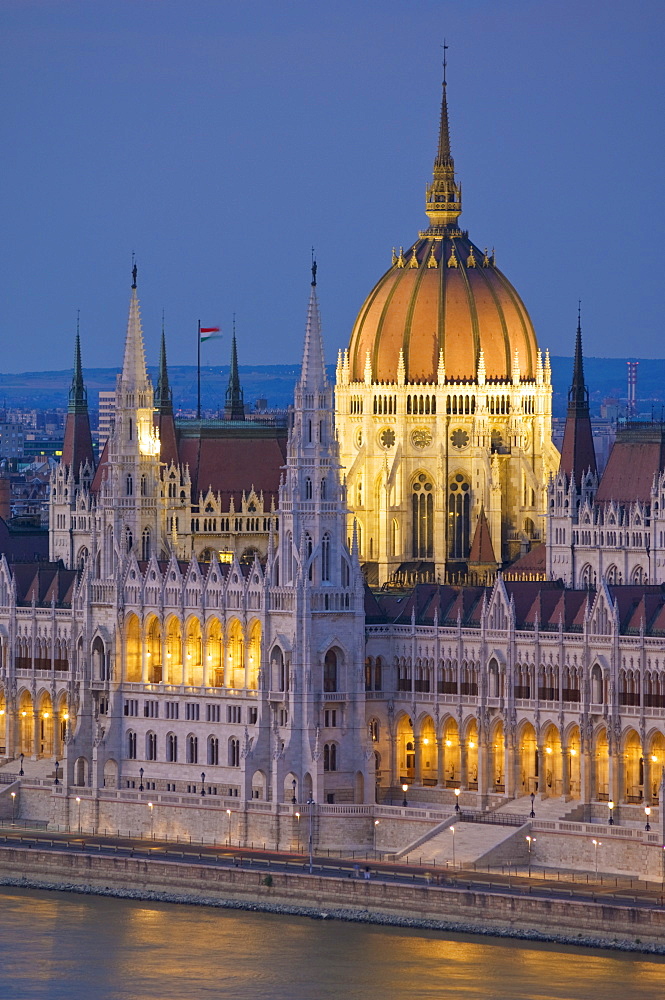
{"x":134,"y":372}
{"x":77,"y":443}
{"x":234,"y":407}
{"x":443,"y":203}
{"x":163,"y":397}
{"x":578,"y":454}
{"x":578,"y":394}
{"x":313,"y":372}
{"x":78,"y":397}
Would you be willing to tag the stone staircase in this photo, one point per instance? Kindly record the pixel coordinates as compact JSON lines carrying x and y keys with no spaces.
{"x":545,"y":809}
{"x":42,"y":768}
{"x":472,"y":842}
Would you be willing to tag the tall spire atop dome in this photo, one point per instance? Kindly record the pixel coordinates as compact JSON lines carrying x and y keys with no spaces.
{"x":313,"y":372}
{"x":443,"y":203}
{"x":134,"y":372}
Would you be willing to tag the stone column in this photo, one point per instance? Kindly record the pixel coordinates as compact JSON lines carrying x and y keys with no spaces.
{"x":542,"y":772}
{"x":205,"y":662}
{"x":646,"y":787}
{"x":509,"y":768}
{"x":145,"y":659}
{"x":464,"y":765}
{"x":483,"y":769}
{"x":440,"y":771}
{"x":35,"y":734}
{"x":565,"y":773}
{"x":586,"y":775}
{"x":417,"y":760}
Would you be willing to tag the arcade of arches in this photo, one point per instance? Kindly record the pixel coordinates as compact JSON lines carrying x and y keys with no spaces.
{"x":192,"y":654}
{"x":557,"y":764}
{"x":37,"y":728}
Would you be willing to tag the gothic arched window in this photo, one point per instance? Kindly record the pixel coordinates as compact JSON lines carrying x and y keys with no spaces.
{"x":325,"y":558}
{"x":422,"y":516}
{"x":145,"y":545}
{"x":459,"y":502}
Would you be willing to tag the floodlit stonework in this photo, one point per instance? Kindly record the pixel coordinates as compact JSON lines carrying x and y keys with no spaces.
{"x":204,"y":634}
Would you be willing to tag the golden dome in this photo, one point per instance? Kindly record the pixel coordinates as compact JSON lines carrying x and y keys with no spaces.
{"x":443,"y":295}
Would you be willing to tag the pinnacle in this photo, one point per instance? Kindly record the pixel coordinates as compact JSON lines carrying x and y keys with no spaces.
{"x":134,"y":373}
{"x":313,"y":372}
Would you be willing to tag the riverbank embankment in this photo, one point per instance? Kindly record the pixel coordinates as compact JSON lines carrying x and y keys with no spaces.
{"x":597,"y":924}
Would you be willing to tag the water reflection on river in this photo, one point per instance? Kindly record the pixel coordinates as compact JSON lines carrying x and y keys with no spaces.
{"x":55,"y":945}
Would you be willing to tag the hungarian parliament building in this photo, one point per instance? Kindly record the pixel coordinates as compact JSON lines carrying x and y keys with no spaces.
{"x":404,"y":582}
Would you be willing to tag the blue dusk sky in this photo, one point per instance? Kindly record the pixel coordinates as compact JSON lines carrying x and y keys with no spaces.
{"x":221,"y":140}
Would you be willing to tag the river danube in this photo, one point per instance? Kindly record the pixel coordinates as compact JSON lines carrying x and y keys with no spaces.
{"x":54,"y":945}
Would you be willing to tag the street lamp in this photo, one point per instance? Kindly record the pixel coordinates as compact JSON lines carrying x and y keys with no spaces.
{"x":376,"y":823}
{"x":597,"y":844}
{"x":152,"y":816}
{"x":452,"y":830}
{"x":57,"y":765}
{"x":21,"y":772}
{"x":78,"y":803}
{"x":293,"y":797}
{"x":532,"y":813}
{"x":141,"y":779}
{"x":457,"y":795}
{"x":405,"y":789}
{"x":310,"y":804}
{"x":13,"y":807}
{"x":203,"y":778}
{"x":647,"y":813}
{"x":610,"y":806}
{"x":228,"y":826}
{"x":530,"y":840}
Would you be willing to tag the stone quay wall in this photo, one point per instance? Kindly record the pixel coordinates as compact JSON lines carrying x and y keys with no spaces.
{"x":449,"y":908}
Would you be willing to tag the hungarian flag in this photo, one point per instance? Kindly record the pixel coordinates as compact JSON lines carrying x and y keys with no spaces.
{"x":209,"y":333}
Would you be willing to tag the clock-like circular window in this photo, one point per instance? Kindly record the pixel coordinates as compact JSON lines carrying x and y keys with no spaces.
{"x":459,"y":438}
{"x":387,"y":437}
{"x":421,"y":437}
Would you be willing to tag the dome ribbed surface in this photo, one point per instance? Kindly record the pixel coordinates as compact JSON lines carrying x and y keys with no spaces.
{"x":459,"y":310}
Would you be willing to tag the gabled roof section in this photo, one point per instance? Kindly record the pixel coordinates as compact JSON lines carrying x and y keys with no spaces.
{"x":637,"y":456}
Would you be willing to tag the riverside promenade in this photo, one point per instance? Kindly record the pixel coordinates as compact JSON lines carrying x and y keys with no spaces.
{"x":598,"y":910}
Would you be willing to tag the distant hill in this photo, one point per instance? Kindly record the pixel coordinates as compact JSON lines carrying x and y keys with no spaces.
{"x":606,"y":377}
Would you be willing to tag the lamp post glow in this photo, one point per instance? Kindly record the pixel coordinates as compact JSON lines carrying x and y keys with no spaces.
{"x":610,"y":806}
{"x":228,"y":826}
{"x":530,"y":840}
{"x":310,"y":805}
{"x":152,"y":817}
{"x":405,"y":789}
{"x":452,"y":830}
{"x":78,"y":803}
{"x":596,"y":844}
{"x":457,"y":795}
{"x":13,"y":808}
{"x":647,"y":813}
{"x":376,"y":823}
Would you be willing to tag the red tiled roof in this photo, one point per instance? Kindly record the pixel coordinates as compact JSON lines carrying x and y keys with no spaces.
{"x":630,"y":469}
{"x":232,"y":465}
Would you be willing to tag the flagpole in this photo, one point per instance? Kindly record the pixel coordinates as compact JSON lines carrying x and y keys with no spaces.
{"x":198,"y":373}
